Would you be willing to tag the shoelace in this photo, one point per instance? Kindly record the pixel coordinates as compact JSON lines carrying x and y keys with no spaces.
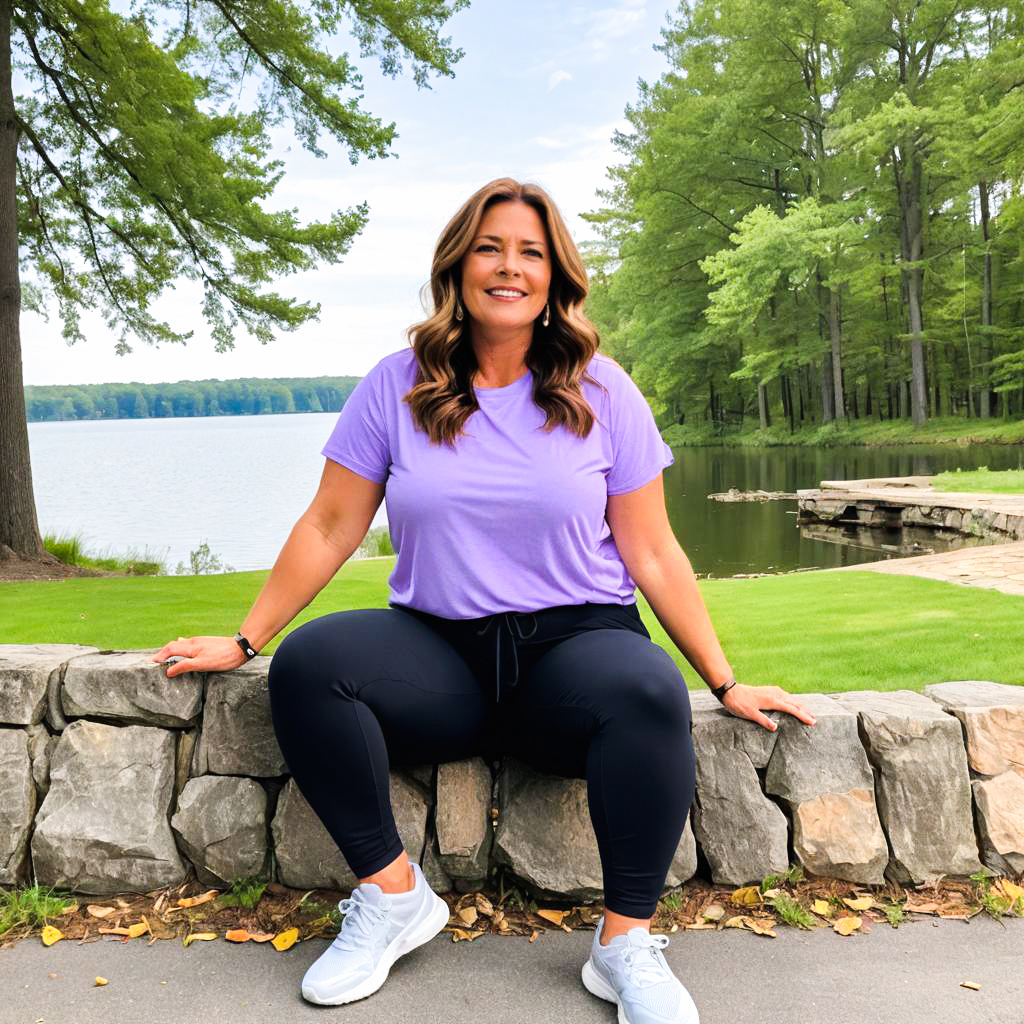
{"x":643,"y":965}
{"x":361,"y":918}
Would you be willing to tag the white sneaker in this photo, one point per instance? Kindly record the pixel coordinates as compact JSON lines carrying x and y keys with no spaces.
{"x":631,"y":971}
{"x":378,"y":928}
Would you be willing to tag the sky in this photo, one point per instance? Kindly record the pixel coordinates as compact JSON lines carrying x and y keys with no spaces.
{"x":538,"y":95}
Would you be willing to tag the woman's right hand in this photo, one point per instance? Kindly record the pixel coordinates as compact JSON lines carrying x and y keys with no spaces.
{"x":201,"y":654}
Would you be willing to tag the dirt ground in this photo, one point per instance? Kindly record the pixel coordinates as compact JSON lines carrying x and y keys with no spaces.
{"x":13,"y":568}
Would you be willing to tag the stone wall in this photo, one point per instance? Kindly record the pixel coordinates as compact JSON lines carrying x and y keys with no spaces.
{"x":114,"y":778}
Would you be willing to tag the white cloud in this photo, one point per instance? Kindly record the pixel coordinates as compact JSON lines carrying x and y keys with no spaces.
{"x":557,"y":77}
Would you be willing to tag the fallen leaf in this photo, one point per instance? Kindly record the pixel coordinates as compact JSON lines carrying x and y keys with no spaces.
{"x":1010,"y":889}
{"x":748,"y":896}
{"x":715,"y":912}
{"x":970,"y":984}
{"x":503,"y":925}
{"x":123,"y":904}
{"x":734,"y":922}
{"x":821,"y":908}
{"x":194,"y":901}
{"x":468,"y":915}
{"x":51,"y":935}
{"x":237,"y":935}
{"x":70,"y":908}
{"x":847,"y":925}
{"x":198,"y":937}
{"x":484,"y":905}
{"x":460,"y":934}
{"x":285,"y":940}
{"x":261,"y":936}
{"x":114,"y":931}
{"x":769,"y":894}
{"x":97,"y":911}
{"x":761,"y":927}
{"x":135,"y":930}
{"x":863,"y":903}
{"x":554,"y":916}
{"x":921,"y":906}
{"x":701,"y":926}
{"x":534,"y":935}
{"x":100,"y":981}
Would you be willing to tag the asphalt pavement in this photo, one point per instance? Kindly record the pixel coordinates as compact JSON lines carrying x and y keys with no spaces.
{"x":909,"y":975}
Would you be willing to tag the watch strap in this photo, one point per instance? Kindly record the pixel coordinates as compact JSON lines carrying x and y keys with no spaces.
{"x":720,"y":691}
{"x":247,"y":647}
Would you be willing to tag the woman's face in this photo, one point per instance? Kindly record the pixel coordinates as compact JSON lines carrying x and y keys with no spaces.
{"x":507,"y":271}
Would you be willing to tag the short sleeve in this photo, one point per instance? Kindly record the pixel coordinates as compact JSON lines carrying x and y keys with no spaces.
{"x":638,"y":452}
{"x":359,"y":440}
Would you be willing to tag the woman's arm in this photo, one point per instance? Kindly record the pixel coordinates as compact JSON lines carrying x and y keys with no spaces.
{"x":659,"y":567}
{"x":321,"y":541}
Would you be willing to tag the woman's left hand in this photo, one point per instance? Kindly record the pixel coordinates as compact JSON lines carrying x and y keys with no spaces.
{"x":748,"y":702}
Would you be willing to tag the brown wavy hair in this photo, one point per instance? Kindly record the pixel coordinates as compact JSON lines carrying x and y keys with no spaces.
{"x":442,"y":398}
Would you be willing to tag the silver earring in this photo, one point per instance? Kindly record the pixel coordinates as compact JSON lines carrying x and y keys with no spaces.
{"x":547,"y":314}
{"x":458,"y":309}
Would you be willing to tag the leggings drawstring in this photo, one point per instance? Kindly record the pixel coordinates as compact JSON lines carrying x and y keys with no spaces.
{"x":506,"y":658}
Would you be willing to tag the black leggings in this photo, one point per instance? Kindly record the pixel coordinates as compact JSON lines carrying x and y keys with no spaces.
{"x":586,"y":695}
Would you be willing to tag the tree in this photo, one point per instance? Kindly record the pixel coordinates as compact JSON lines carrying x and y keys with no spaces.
{"x":131,"y":162}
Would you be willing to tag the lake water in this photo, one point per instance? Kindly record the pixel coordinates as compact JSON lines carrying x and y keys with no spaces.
{"x":240,"y":482}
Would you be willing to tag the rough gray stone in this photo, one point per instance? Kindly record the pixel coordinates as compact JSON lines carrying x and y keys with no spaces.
{"x":238,"y":735}
{"x":992,"y":716}
{"x":922,"y":784}
{"x":545,"y":835}
{"x":103,"y":827}
{"x":25,"y":671}
{"x":221,"y":824}
{"x":17,"y":805}
{"x":463,"y":817}
{"x":823,"y":774}
{"x":40,"y":750}
{"x":127,"y":687}
{"x":307,"y":856}
{"x":1000,"y":815}
{"x":437,"y":878}
{"x":743,"y":833}
{"x":183,"y":754}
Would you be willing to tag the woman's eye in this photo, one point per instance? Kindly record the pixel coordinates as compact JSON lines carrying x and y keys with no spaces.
{"x":486,"y":247}
{"x":534,"y":252}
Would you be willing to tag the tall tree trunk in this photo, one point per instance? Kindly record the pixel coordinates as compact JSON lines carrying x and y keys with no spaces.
{"x":19,"y":529}
{"x":835,"y":329}
{"x":912,"y":243}
{"x":985,"y":393}
{"x":762,"y":407}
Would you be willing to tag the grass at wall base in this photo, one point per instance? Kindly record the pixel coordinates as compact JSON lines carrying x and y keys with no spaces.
{"x":807,"y":631}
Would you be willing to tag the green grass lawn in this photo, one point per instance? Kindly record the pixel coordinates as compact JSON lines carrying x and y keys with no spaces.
{"x":806,"y":632}
{"x":1006,"y":481}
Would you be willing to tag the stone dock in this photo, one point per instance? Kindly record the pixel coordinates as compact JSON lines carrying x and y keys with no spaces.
{"x":896,"y":502}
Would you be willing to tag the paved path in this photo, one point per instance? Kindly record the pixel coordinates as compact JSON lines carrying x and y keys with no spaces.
{"x":990,"y":566}
{"x":909,"y":975}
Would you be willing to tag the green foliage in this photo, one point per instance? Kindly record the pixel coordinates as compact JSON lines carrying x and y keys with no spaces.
{"x":996,"y":903}
{"x":202,"y":562}
{"x":793,"y":874}
{"x":1007,"y":481}
{"x":31,"y":907}
{"x":243,"y":892}
{"x":791,"y":911}
{"x":70,"y":549}
{"x":894,"y":913}
{"x":673,"y":901}
{"x":376,"y":544}
{"x":244,"y":397}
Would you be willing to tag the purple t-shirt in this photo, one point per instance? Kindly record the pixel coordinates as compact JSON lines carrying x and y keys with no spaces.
{"x":512,"y":518}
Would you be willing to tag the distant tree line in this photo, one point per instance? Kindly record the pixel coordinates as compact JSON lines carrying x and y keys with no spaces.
{"x":250,"y":396}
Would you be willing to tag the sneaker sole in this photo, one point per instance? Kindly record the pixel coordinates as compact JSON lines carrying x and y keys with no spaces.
{"x":596,"y":985}
{"x":414,"y":935}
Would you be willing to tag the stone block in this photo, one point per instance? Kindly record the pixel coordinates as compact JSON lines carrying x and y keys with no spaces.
{"x":237,"y":735}
{"x":126,"y":686}
{"x":307,"y":856}
{"x":463,"y":817}
{"x":839,"y":835}
{"x":744,"y":834}
{"x":17,"y":806}
{"x":221,"y":824}
{"x":40,"y":750}
{"x":545,"y":834}
{"x":992,"y":716}
{"x":103,"y":827}
{"x":437,"y":878}
{"x":999,"y":804}
{"x":922,"y":785}
{"x":25,"y":671}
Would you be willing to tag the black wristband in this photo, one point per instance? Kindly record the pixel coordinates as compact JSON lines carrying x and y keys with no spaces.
{"x":247,"y":647}
{"x":720,"y":691}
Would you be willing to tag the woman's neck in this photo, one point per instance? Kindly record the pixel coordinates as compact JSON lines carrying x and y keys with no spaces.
{"x":500,"y":361}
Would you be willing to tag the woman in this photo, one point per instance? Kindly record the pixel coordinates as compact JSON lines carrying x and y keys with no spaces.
{"x":522,"y":473}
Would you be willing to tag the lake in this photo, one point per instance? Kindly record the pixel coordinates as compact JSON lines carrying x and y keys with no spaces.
{"x":240,"y":482}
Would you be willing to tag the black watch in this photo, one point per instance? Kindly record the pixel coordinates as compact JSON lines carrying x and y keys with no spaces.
{"x":720,"y":691}
{"x":247,"y":647}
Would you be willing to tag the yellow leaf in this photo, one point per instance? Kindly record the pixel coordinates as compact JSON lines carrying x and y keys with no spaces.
{"x":863,"y":903}
{"x":748,"y":896}
{"x":197,"y":937}
{"x":459,"y":934}
{"x":100,"y":981}
{"x":97,"y":911}
{"x":285,"y":940}
{"x":846,"y":925}
{"x":51,"y":935}
{"x":735,"y":922}
{"x":554,"y":916}
{"x":194,"y":901}
{"x":468,"y":915}
{"x":135,"y":930}
{"x":1010,"y":889}
{"x":761,"y":927}
{"x":821,"y":908}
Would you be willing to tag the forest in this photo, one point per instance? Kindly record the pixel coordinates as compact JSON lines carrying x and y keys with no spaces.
{"x":243,"y":397}
{"x":818,"y":216}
